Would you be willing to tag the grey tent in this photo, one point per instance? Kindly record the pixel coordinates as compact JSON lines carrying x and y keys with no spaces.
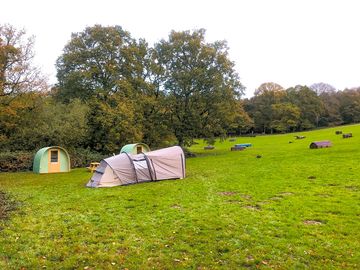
{"x":125,"y":169}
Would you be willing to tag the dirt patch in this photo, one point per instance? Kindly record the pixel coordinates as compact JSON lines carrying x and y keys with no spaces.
{"x":253,"y":207}
{"x":227,"y":193}
{"x":7,"y":204}
{"x":313,"y":222}
{"x":311,"y":177}
{"x":352,"y":188}
{"x":233,"y":201}
{"x":276,"y":198}
{"x":264,"y":202}
{"x":324,"y":195}
{"x":246,"y":196}
{"x":333,"y":185}
{"x":286,"y":193}
{"x":176,"y":206}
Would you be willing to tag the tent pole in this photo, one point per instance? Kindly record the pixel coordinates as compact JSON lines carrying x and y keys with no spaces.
{"x":149,"y":167}
{"x":133,"y":166}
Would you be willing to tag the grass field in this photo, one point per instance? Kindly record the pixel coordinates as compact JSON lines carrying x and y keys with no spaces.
{"x":293,"y":208}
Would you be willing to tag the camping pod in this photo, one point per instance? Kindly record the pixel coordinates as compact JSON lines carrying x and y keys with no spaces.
{"x":135,"y":148}
{"x":51,"y":159}
{"x":125,"y":169}
{"x":320,"y":144}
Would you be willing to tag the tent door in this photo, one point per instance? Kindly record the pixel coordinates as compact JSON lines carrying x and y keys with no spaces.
{"x":138,"y":149}
{"x":54,"y":161}
{"x":142,"y":170}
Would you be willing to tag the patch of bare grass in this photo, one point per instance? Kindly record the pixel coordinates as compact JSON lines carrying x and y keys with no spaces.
{"x":227,"y":193}
{"x":233,"y":201}
{"x":286,"y":193}
{"x":352,"y":188}
{"x":313,"y":222}
{"x":7,"y":205}
{"x":253,"y":207}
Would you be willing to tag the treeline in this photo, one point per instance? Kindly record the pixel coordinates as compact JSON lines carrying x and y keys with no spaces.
{"x":275,"y":109}
{"x":113,"y":89}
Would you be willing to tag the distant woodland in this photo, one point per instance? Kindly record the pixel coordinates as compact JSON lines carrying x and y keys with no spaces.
{"x":113,"y":89}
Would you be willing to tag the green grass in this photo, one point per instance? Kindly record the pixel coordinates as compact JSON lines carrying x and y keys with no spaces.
{"x":294,"y":208}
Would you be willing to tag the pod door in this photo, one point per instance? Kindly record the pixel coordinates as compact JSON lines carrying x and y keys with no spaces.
{"x":54,"y":161}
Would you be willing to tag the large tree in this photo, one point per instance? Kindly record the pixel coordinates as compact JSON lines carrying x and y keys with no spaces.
{"x":286,"y":117}
{"x":332,"y":114}
{"x":18,"y":74}
{"x":310,"y":104}
{"x":108,"y":68}
{"x":320,"y":88}
{"x":112,"y":124}
{"x":200,"y":83}
{"x":350,"y":105}
{"x":101,"y":61}
{"x":266,"y":95}
{"x":20,"y":83}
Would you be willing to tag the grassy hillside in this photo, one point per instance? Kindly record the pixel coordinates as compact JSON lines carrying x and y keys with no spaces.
{"x":292,"y":208}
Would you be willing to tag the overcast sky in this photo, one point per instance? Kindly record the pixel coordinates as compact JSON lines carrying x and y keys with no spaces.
{"x":289,"y":42}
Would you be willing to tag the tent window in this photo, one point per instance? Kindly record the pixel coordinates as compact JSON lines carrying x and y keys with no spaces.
{"x":54,"y":156}
{"x":138,"y":149}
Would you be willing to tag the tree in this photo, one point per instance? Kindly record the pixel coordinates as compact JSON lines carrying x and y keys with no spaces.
{"x":55,"y":123}
{"x":242,"y":122}
{"x":266,"y":95}
{"x":106,"y":63}
{"x":200,"y":83}
{"x":17,"y":72}
{"x":350,"y":105}
{"x":331,"y":115}
{"x":275,"y":89}
{"x":101,"y":61}
{"x":286,"y":117}
{"x":309,"y":103}
{"x":320,"y":88}
{"x":112,"y":124}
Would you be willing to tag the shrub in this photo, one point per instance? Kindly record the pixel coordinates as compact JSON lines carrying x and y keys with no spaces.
{"x":80,"y":157}
{"x":16,"y":161}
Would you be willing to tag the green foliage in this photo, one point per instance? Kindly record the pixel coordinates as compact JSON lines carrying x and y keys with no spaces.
{"x":114,"y":89}
{"x":16,"y":161}
{"x":201,"y":85}
{"x":332,"y":115}
{"x":17,"y":72}
{"x":80,"y":157}
{"x":267,"y":95}
{"x":100,"y":60}
{"x":286,"y":117}
{"x":294,"y":208}
{"x":309,"y":103}
{"x":350,"y":106}
{"x":55,"y":123}
{"x":113,"y":123}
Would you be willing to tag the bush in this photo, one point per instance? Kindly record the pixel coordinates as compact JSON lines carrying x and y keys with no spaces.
{"x":16,"y":161}
{"x":80,"y":157}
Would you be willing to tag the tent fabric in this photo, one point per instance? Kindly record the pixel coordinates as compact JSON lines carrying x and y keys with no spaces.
{"x":125,"y":168}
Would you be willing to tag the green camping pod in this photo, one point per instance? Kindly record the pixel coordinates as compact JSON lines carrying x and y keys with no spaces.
{"x":135,"y":148}
{"x":51,"y":159}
